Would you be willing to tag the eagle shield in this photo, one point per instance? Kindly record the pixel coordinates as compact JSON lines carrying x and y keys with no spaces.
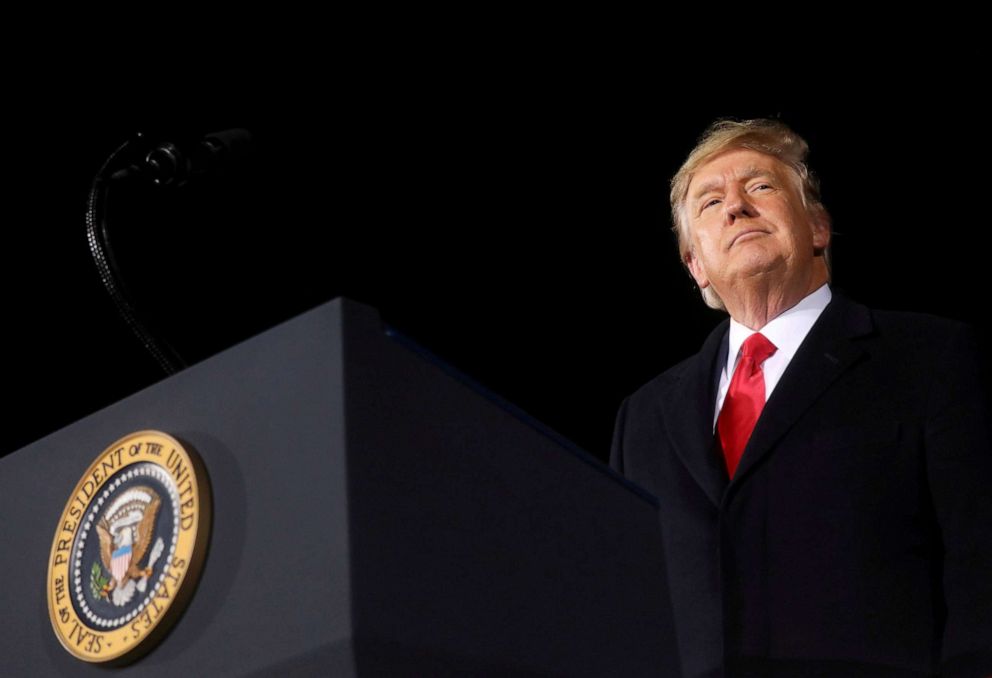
{"x":126,"y":530}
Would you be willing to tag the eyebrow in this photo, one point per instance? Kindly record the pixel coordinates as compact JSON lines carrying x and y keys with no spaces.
{"x":747,"y":173}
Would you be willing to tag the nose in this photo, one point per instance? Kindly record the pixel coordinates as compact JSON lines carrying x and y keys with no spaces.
{"x":738,"y":205}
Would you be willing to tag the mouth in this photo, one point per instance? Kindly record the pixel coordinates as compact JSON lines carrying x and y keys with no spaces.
{"x":749,"y":234}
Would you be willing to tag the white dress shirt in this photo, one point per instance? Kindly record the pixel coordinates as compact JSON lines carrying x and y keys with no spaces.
{"x":786,"y":332}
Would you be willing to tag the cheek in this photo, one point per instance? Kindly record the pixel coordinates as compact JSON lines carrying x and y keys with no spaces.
{"x":706,"y":238}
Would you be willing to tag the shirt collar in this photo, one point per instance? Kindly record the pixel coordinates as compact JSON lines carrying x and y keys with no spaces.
{"x":787,"y":330}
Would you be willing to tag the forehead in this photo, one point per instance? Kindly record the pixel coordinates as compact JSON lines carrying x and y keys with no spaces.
{"x":734,"y":165}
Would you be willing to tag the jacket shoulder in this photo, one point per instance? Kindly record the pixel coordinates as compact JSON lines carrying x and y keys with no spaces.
{"x":687,"y":368}
{"x":896,"y":331}
{"x":921,"y":332}
{"x":913,"y":321}
{"x":666,"y":381}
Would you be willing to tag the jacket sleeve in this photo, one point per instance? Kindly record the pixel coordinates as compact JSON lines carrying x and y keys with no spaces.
{"x":959,"y":468}
{"x":616,"y":450}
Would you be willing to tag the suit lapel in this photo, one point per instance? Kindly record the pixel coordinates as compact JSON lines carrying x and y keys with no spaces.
{"x":825,"y":354}
{"x":689,"y":418}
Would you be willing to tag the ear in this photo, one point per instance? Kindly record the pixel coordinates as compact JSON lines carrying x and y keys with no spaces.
{"x":696,"y":270}
{"x":821,"y":228}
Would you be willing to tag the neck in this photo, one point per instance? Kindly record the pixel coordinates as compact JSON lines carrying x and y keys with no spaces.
{"x":757,"y":304}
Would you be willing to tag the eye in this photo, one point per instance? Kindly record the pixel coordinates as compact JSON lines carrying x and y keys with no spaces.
{"x":710,"y":202}
{"x":760,"y":187}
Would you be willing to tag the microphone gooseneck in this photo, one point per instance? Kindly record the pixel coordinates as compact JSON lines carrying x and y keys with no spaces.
{"x":165,"y":164}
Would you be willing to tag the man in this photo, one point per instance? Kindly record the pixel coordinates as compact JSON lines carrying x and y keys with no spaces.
{"x":824,"y":471}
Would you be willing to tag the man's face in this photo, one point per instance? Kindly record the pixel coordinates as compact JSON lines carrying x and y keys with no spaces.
{"x":746,"y":218}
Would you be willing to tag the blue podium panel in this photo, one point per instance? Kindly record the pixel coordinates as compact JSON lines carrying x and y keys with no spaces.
{"x":375,"y":513}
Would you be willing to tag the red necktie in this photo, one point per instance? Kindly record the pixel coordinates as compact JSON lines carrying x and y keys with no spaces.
{"x":744,"y":401}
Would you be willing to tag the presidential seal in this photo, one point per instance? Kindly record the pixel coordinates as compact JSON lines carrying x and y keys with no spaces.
{"x":128,"y":548}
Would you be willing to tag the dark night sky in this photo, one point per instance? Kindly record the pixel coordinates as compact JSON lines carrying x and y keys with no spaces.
{"x":507,"y":209}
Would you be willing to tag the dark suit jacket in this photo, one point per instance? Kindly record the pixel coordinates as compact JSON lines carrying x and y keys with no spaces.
{"x":855,"y":538}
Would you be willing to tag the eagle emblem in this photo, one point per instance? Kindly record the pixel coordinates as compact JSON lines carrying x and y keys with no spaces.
{"x":126,"y":531}
{"x":128,"y":548}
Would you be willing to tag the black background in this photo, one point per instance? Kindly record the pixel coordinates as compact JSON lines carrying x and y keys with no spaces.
{"x":503,"y":201}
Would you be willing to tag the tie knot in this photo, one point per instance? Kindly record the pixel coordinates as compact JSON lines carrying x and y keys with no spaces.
{"x":758,"y":348}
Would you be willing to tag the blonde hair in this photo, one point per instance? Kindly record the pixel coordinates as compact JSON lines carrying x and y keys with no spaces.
{"x":770,"y":137}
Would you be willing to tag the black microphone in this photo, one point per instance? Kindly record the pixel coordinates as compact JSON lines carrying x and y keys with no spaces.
{"x":174,"y":164}
{"x":166,"y":164}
